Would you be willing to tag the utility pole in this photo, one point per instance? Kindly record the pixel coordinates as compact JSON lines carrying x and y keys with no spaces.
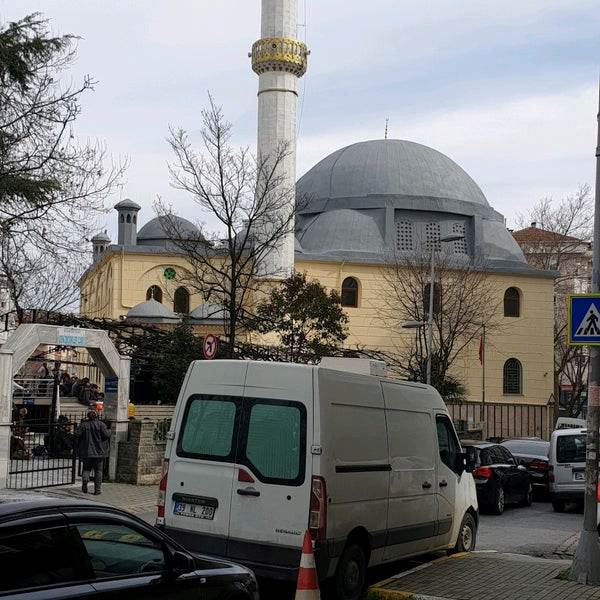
{"x":586,"y":564}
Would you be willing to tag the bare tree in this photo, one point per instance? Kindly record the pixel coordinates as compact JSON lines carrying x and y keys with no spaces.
{"x":51,"y":186}
{"x":247,"y":199}
{"x":39,"y":280}
{"x":561,"y":240}
{"x":465,"y":302}
{"x":560,"y":234}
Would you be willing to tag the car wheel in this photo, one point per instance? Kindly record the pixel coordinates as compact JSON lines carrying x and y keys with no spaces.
{"x":467,"y":535}
{"x":528,"y":499}
{"x":351,"y":572}
{"x":497,"y":507}
{"x":558,"y":505}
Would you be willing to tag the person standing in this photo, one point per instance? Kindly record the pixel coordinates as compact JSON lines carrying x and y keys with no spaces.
{"x":92,"y":437}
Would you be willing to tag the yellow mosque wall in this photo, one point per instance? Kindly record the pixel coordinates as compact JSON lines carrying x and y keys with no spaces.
{"x":119,"y":281}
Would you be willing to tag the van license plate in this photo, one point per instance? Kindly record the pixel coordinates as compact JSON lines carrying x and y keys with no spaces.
{"x":579,"y":476}
{"x":198,"y":511}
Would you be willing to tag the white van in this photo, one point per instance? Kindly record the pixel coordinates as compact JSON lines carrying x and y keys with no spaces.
{"x":567,"y":467}
{"x":260,"y":452}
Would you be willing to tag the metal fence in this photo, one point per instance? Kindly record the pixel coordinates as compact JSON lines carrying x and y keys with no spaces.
{"x":43,"y":454}
{"x":506,"y":420}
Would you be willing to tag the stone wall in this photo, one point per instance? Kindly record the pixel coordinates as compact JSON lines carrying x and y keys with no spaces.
{"x":140,"y":457}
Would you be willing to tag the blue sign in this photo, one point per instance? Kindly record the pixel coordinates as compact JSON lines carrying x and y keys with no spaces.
{"x":111,"y":385}
{"x":71,"y":337}
{"x":583,"y":320}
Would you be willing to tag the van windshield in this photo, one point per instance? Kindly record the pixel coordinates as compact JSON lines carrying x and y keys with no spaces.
{"x":269,"y":436}
{"x":570,"y":448}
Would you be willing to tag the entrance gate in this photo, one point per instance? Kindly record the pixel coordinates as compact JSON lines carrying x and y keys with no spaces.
{"x":40,"y":453}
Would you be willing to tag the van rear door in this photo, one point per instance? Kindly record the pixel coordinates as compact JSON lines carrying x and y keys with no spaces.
{"x":202,"y":466}
{"x":271,"y":489}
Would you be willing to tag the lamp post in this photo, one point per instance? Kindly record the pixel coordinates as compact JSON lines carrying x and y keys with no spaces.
{"x":429,"y":322}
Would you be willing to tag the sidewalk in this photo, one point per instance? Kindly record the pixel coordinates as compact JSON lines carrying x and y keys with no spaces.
{"x":137,"y":499}
{"x":485,"y":576}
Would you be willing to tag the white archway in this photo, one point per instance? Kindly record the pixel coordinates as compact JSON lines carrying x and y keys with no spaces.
{"x":23,"y":343}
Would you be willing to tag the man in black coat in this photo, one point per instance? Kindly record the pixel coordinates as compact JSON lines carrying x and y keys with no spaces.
{"x":91,"y":443}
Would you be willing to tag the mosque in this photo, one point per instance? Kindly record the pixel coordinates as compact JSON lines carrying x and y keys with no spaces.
{"x":360,"y":205}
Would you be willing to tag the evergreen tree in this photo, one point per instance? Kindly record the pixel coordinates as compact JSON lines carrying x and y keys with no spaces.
{"x":309,"y":321}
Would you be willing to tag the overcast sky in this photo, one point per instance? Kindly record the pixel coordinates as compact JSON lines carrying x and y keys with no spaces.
{"x":507,"y":89}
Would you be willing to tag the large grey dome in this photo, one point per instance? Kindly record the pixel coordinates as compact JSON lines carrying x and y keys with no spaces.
{"x":154,"y":232}
{"x":372,"y":201}
{"x":389,"y":168}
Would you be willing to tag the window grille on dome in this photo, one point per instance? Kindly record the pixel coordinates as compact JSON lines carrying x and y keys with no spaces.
{"x":460,"y":246}
{"x":404,"y":236}
{"x":432,"y":236}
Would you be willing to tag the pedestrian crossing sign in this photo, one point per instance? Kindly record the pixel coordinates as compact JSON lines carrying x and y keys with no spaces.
{"x":583,"y":320}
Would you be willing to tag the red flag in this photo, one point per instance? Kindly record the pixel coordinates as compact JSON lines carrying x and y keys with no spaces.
{"x":481,"y":351}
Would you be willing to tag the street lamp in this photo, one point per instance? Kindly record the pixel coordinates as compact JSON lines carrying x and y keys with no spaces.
{"x":429,"y":322}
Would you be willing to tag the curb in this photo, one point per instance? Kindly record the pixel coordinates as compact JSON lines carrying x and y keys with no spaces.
{"x":378,"y":594}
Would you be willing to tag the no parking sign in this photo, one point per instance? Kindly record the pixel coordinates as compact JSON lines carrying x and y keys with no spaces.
{"x":209,"y":346}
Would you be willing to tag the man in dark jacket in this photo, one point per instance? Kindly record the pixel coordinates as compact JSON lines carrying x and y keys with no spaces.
{"x":92,"y":437}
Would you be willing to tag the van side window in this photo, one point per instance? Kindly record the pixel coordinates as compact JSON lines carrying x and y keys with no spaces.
{"x":449,"y":446}
{"x":570,"y":448}
{"x":274,"y":441}
{"x":208,"y":428}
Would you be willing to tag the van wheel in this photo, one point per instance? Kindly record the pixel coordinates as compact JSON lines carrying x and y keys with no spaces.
{"x":350,"y":575}
{"x":558,"y":505}
{"x":497,"y":507}
{"x":467,"y":535}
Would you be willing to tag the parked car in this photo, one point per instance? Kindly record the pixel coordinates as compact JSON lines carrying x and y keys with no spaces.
{"x":57,"y":548}
{"x":567,"y":467}
{"x":533,"y":454}
{"x":260,"y":451}
{"x":499,"y":479}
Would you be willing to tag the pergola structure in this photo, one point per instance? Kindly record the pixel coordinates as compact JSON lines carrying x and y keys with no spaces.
{"x":23,"y":343}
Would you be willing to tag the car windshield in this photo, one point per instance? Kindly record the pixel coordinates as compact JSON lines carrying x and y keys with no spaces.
{"x":570,"y":448}
{"x":530,"y":447}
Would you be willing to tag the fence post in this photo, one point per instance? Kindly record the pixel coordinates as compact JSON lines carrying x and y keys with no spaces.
{"x":6,"y":391}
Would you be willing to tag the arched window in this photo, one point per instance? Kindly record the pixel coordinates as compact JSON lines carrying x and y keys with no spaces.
{"x":513,"y":377}
{"x":437,"y":298}
{"x":181,"y":302}
{"x":122,"y":218}
{"x":512,"y":302}
{"x":350,"y":292}
{"x":128,"y":218}
{"x":135,"y":219}
{"x":154,"y":292}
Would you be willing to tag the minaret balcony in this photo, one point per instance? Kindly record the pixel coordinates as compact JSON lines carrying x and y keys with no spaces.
{"x":279,"y":54}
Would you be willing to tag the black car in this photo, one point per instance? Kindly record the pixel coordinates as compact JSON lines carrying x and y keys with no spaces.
{"x":499,"y":479}
{"x":61,"y":548}
{"x":533,"y":455}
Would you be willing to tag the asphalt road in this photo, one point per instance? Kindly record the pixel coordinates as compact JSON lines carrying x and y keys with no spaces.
{"x":536,"y":531}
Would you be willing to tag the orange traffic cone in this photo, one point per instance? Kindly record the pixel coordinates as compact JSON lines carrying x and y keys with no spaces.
{"x":308,"y":583}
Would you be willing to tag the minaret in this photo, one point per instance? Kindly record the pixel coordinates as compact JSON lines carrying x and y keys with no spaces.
{"x":280,"y":60}
{"x":128,"y":211}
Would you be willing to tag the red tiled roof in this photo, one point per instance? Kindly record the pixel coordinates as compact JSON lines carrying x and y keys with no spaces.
{"x":533,"y":235}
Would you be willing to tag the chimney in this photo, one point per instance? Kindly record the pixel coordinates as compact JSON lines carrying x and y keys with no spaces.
{"x":128,"y":211}
{"x":99,"y":245}
{"x":534,"y":224}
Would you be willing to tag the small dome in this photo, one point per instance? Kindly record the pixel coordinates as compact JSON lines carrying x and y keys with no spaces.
{"x":127,"y":204}
{"x":342,"y":230}
{"x":101,"y":237}
{"x":152,"y":310}
{"x":208,"y":312}
{"x":154,"y":232}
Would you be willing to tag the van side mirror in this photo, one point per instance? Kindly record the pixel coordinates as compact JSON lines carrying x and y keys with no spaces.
{"x":461,"y":463}
{"x":470,"y":459}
